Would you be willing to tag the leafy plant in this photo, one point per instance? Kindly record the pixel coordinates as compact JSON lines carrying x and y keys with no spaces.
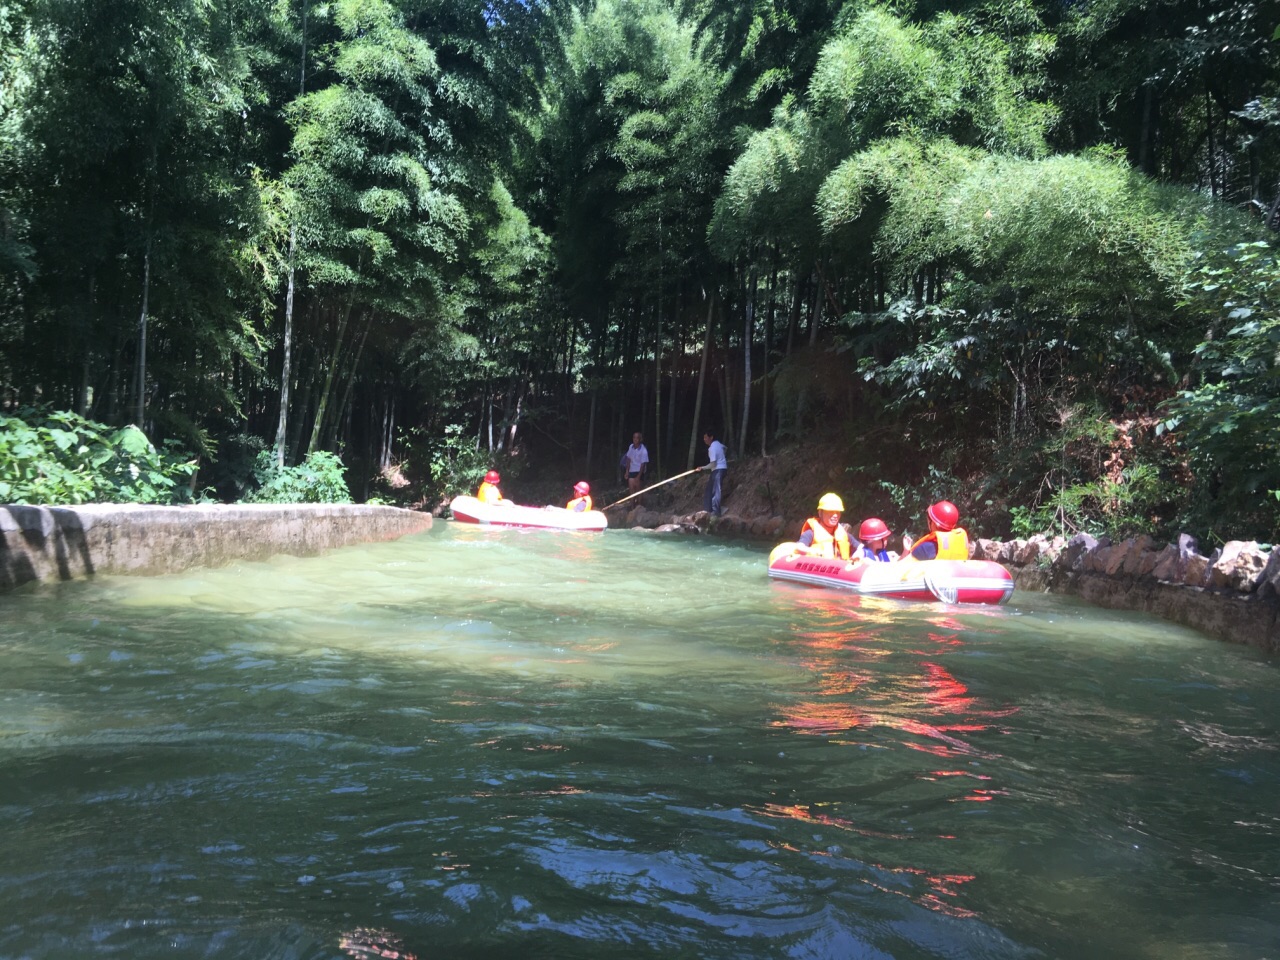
{"x":1229,"y":422}
{"x":58,"y":457}
{"x":318,"y":479}
{"x":456,"y":463}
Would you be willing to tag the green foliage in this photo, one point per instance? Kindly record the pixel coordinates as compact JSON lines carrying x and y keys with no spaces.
{"x":457,"y":464}
{"x":321,"y":478}
{"x":1111,"y":506}
{"x":1229,"y":421}
{"x":56,"y":457}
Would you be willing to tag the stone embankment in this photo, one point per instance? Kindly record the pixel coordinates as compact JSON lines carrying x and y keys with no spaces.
{"x":64,"y":543}
{"x":1233,"y":593}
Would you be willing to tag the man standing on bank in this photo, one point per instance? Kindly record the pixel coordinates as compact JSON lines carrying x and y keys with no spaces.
{"x":717,"y":464}
{"x":636,"y":458}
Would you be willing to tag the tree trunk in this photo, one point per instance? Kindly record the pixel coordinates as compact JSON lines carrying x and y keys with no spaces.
{"x":345,"y":408}
{"x":334,"y":359}
{"x":657,"y":389}
{"x":591,"y":426}
{"x":141,"y":406}
{"x":1146,"y":146}
{"x":748,"y":334}
{"x":1208,"y":119}
{"x":702,"y":379}
{"x":282,"y":425}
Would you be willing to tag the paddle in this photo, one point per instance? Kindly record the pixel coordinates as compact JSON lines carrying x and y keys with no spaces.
{"x":654,"y":487}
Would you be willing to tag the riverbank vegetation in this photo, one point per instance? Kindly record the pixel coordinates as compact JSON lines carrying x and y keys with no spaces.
{"x":1019,"y":252}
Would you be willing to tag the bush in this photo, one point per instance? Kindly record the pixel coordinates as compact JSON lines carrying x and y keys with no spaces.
{"x":318,"y":479}
{"x":58,"y":457}
{"x":1228,"y":419}
{"x":457,"y":465}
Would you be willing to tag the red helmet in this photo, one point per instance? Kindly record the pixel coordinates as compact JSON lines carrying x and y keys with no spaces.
{"x":492,"y":477}
{"x":944,"y":514}
{"x":873,"y":528}
{"x":582,"y":488}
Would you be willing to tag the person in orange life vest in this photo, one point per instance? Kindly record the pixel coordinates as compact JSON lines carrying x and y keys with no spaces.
{"x":582,"y":502}
{"x":945,"y":540}
{"x":826,"y":536}
{"x":874,"y":535}
{"x":489,"y":492}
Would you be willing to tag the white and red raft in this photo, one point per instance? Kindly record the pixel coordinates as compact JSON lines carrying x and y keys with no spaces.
{"x":949,"y":581}
{"x":471,"y":510}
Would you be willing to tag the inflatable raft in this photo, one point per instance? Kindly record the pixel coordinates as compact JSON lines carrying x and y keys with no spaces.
{"x":951,"y":581}
{"x":471,"y":510}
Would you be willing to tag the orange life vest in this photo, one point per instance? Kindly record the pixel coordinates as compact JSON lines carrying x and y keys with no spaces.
{"x":488,"y":493}
{"x":952,"y":544}
{"x":579,"y":504}
{"x":825,"y":543}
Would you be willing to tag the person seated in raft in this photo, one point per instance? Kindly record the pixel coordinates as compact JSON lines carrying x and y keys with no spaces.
{"x":945,"y":540}
{"x":825,"y":535}
{"x":874,"y":535}
{"x":489,"y":492}
{"x":582,"y":502}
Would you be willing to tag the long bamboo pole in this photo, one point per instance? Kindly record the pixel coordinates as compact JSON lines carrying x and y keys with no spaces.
{"x":660,"y":483}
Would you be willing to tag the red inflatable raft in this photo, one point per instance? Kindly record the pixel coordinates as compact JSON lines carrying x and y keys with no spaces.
{"x":471,"y":510}
{"x":951,"y":581}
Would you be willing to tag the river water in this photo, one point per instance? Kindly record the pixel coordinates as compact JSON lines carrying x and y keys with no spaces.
{"x":520,"y":744}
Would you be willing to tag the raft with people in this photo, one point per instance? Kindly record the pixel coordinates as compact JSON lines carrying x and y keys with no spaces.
{"x":934,"y":567}
{"x":951,"y":581}
{"x":490,"y":508}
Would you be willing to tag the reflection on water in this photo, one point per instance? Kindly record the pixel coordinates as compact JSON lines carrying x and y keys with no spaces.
{"x":497,"y":743}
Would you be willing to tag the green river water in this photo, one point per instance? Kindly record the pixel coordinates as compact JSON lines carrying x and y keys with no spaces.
{"x":521,"y":744}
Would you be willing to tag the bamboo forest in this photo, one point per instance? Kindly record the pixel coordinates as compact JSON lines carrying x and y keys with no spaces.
{"x":1019,"y":252}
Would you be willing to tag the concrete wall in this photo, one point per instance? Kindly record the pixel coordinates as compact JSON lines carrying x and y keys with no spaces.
{"x":63,"y":543}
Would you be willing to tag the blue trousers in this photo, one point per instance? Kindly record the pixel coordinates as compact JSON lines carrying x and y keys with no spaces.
{"x":711,"y":496}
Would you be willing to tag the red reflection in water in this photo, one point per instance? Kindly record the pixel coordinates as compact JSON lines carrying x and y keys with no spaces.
{"x":865,"y":681}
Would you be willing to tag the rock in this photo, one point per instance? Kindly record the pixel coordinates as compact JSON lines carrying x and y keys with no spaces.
{"x":1269,"y":579}
{"x":1076,"y":549}
{"x":668,"y":528}
{"x":1146,"y":563}
{"x":1188,"y":546}
{"x":644,"y":517}
{"x":1052,"y":549}
{"x":1168,"y":564}
{"x":1096,"y":561}
{"x":1117,"y":556}
{"x":1195,"y":570}
{"x":1249,"y":567}
{"x":1138,"y":547}
{"x":1239,"y":567}
{"x":984,"y":549}
{"x":1026,"y":552}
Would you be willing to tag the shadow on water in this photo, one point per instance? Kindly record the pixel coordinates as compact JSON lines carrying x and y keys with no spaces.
{"x":489,"y":743}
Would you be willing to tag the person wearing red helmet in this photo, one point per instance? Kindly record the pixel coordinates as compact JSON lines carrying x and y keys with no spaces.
{"x":874,"y":534}
{"x":489,"y":492}
{"x":582,"y":501}
{"x":945,"y":540}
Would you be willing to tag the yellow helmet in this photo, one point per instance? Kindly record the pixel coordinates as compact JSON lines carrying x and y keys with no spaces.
{"x":830,"y":501}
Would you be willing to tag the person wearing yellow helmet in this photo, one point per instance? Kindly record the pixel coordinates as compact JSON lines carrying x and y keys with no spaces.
{"x":825,"y":535}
